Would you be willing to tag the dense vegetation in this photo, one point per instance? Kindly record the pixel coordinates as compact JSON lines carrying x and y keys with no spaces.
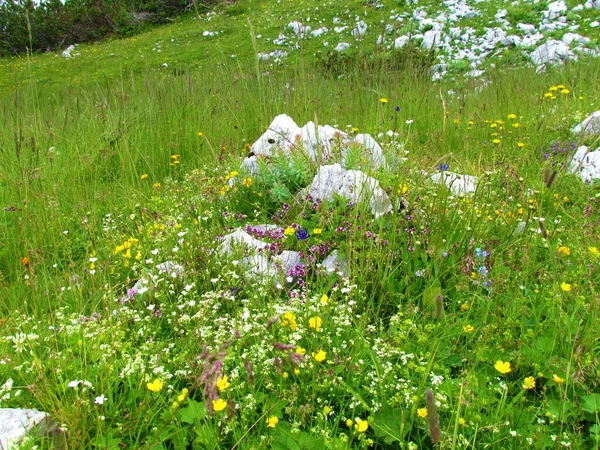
{"x":50,"y":25}
{"x":463,"y":320}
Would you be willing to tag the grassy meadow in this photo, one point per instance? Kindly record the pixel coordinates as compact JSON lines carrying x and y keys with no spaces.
{"x":465,"y":321}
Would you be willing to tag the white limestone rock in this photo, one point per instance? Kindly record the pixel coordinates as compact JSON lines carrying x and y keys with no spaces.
{"x":337,"y":263}
{"x":431,"y":38}
{"x":67,"y":52}
{"x":586,"y":164}
{"x":281,"y":135}
{"x":401,"y":41}
{"x":342,"y":46}
{"x":237,"y":239}
{"x":591,"y":125}
{"x":551,"y":52}
{"x":319,"y":142}
{"x":373,"y":153}
{"x":351,"y":184}
{"x":287,"y":260}
{"x":16,"y":424}
{"x":458,"y":184}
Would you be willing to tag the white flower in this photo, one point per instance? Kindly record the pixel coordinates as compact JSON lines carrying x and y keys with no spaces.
{"x":73,"y":384}
{"x":100,"y":400}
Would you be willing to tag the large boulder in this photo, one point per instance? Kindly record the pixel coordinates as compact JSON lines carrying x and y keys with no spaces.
{"x":16,"y":424}
{"x":353,"y":185}
{"x":551,"y":52}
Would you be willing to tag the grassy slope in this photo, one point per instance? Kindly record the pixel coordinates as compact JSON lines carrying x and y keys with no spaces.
{"x":114,"y":113}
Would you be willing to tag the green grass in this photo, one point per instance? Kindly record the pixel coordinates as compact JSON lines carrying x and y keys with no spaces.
{"x":423,"y":308}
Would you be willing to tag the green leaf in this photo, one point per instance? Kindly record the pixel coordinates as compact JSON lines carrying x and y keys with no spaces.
{"x":591,"y":403}
{"x":193,"y":412}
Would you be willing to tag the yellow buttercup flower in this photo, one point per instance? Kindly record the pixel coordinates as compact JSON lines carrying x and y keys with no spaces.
{"x":422,"y":412}
{"x":301,"y":351}
{"x":468,"y":328}
{"x":594,"y":251}
{"x":361,"y":425}
{"x":143,"y":176}
{"x":181,"y":397}
{"x":222,"y":383}
{"x":219,"y":404}
{"x":272,"y":421}
{"x":512,"y":116}
{"x":315,"y":322}
{"x":383,"y":100}
{"x":557,"y":379}
{"x":289,"y":320}
{"x":566,"y":287}
{"x":155,"y":386}
{"x":317,"y":231}
{"x":324,"y":299}
{"x":289,"y":231}
{"x":319,"y":356}
{"x":529,"y":383}
{"x":502,"y":367}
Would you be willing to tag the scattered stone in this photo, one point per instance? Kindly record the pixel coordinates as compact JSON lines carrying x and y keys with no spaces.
{"x":238,"y":238}
{"x":16,"y":424}
{"x":353,"y":185}
{"x":287,"y":260}
{"x":337,"y":263}
{"x":342,"y":46}
{"x":551,"y":52}
{"x":591,"y":125}
{"x":67,"y":52}
{"x":586,"y":164}
{"x":458,"y":184}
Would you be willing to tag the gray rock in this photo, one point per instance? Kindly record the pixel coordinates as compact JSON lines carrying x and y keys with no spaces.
{"x":238,"y":239}
{"x":586,"y":164}
{"x":351,"y":184}
{"x":591,"y":125}
{"x":16,"y":424}
{"x":287,"y":260}
{"x":551,"y":52}
{"x":336,"y":262}
{"x":458,"y":184}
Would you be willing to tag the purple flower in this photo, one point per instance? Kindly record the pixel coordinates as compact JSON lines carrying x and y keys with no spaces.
{"x":397,"y":109}
{"x":302,"y":234}
{"x":443,"y":166}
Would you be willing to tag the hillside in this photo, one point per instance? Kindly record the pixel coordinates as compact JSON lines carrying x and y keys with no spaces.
{"x":307,"y":225}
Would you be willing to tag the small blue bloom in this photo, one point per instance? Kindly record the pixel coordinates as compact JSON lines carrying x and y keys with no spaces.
{"x":397,"y":109}
{"x":481,"y":253}
{"x":443,"y":166}
{"x":483,"y":271}
{"x":302,"y":234}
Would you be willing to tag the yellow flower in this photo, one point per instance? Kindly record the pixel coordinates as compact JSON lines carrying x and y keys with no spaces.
{"x":301,"y":351}
{"x":557,"y":379}
{"x":199,"y":134}
{"x":181,"y":397}
{"x":496,"y":141}
{"x":324,"y":299}
{"x":222,"y":383}
{"x":464,"y":307}
{"x":512,"y":116}
{"x":289,"y":231}
{"x":502,"y":367}
{"x":548,"y":95}
{"x":219,"y":404}
{"x":361,"y":425}
{"x":566,"y":287}
{"x":319,"y":356}
{"x":516,"y":125}
{"x":317,"y":231}
{"x":327,"y":410}
{"x":272,"y":421}
{"x":349,"y":423}
{"x":315,"y":322}
{"x":155,"y":386}
{"x":143,"y":176}
{"x":156,"y":185}
{"x":529,"y":383}
{"x":468,"y":328}
{"x":285,"y":375}
{"x":422,"y":412}
{"x":403,"y":189}
{"x":553,"y":88}
{"x":462,"y":422}
{"x":594,"y":251}
{"x":565,"y":91}
{"x":564,"y":250}
{"x":289,"y":320}
{"x":383,"y":100}
{"x":247,"y":182}
{"x":175,"y":405}
{"x":296,"y":371}
{"x":520,"y":144}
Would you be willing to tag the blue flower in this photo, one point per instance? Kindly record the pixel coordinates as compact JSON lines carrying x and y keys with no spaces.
{"x":302,"y":234}
{"x":481,"y":253}
{"x":397,"y":109}
{"x":443,"y":166}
